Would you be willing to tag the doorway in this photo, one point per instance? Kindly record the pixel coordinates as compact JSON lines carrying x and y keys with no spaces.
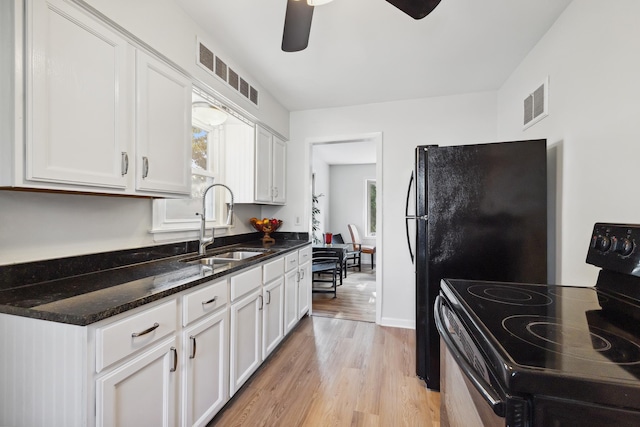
{"x":343,"y":170}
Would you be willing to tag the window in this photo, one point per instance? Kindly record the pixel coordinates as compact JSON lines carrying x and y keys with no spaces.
{"x":370,"y":207}
{"x":175,"y":218}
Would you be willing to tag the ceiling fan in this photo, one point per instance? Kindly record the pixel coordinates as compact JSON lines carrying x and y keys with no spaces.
{"x":297,"y":20}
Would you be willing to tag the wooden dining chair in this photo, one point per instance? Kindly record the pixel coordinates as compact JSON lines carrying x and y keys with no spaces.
{"x":352,"y":258}
{"x":357,"y":244}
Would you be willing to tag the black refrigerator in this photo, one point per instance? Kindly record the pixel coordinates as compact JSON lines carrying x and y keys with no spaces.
{"x":480,"y":213}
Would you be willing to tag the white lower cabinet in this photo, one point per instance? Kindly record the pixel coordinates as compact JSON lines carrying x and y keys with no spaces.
{"x":205,"y":385}
{"x":291,"y":299}
{"x":246,"y":335}
{"x":141,"y":392}
{"x":273,"y":316}
{"x":304,"y":281}
{"x":205,"y":350}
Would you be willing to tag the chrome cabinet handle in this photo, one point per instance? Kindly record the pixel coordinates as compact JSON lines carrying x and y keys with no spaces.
{"x":146,"y":331}
{"x":145,"y":167}
{"x":261,"y":302}
{"x":210,"y":301}
{"x":124,"y":165}
{"x":269,"y":295}
{"x":301,"y":274}
{"x":193,"y":347}
{"x":175,"y":359}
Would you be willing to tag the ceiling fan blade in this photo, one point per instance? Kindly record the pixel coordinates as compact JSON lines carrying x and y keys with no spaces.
{"x":417,"y":9}
{"x":297,"y":25}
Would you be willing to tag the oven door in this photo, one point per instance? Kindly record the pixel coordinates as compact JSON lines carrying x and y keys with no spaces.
{"x":470,"y":394}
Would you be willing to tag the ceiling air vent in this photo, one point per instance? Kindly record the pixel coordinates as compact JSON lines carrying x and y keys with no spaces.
{"x":219,"y":68}
{"x":536,"y":105}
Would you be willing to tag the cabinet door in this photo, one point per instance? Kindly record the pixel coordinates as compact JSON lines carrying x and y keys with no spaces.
{"x":304,"y":290}
{"x":78,"y":98}
{"x":206,"y":383}
{"x":246,"y":334}
{"x":279,"y":170}
{"x":263,"y":162}
{"x":142,"y":392}
{"x":290,"y":300}
{"x":163,"y":127}
{"x":273,"y":316}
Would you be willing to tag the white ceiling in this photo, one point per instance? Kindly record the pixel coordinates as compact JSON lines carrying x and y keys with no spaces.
{"x":366,"y":51}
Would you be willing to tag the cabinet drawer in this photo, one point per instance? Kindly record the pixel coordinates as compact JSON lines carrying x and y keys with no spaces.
{"x":304,"y":255}
{"x":273,"y":270}
{"x":126,"y":336}
{"x":204,"y":301}
{"x":291,"y":261}
{"x":245,"y":282}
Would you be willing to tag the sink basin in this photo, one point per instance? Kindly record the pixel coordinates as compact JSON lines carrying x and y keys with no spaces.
{"x":236,"y":255}
{"x":228,"y":257}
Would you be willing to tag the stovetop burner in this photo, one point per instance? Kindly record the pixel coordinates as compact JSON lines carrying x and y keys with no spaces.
{"x":508,"y":294}
{"x":594,"y":344}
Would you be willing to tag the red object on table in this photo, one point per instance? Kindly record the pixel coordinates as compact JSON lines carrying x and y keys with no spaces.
{"x":328,"y":237}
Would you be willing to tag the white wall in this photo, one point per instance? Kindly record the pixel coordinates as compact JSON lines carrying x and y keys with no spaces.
{"x":461,"y":119}
{"x":347,"y":201}
{"x":592,"y":57}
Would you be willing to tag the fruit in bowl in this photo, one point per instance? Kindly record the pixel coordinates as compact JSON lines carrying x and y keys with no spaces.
{"x":266,"y":225}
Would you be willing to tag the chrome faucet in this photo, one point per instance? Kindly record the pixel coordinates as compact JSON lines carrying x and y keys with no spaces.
{"x":206,"y":241}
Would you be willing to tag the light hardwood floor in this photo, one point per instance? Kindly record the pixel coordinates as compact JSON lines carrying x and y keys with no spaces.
{"x":356,"y":298}
{"x":334,"y":372}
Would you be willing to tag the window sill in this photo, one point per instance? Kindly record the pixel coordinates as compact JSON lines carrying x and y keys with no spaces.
{"x":186,"y":232}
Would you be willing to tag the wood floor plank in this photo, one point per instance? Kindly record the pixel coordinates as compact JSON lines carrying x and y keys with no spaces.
{"x":334,"y":372}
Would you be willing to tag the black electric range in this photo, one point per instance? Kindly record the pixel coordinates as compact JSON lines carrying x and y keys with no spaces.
{"x":554,"y":355}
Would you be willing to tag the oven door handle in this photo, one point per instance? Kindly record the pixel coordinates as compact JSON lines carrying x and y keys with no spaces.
{"x":493,"y":397}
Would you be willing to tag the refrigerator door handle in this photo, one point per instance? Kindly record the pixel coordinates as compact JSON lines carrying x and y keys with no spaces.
{"x":407,"y":217}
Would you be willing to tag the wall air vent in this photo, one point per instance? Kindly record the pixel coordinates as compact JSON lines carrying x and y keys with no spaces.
{"x":219,"y":68}
{"x":234,"y":79}
{"x":536,"y":105}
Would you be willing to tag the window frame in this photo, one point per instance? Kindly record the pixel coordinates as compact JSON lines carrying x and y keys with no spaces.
{"x":370,"y":208}
{"x":165,"y":228}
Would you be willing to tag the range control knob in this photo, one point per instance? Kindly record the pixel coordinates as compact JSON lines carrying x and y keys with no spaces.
{"x":601,"y":243}
{"x":623,"y":246}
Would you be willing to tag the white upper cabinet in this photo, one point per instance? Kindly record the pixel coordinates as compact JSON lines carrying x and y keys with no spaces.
{"x":279,"y":195}
{"x":270,"y":158}
{"x":163,"y":127}
{"x":78,"y":99}
{"x":100,"y":114}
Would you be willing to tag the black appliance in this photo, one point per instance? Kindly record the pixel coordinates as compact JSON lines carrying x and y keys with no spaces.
{"x":481,"y":213}
{"x":550,"y":355}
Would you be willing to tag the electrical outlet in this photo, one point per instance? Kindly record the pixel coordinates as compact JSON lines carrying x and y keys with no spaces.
{"x":297,"y":220}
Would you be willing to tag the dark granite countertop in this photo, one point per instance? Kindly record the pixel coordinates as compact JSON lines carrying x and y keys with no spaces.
{"x":86,"y":289}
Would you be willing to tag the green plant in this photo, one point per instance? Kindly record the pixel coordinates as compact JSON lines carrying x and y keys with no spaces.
{"x":315,"y":222}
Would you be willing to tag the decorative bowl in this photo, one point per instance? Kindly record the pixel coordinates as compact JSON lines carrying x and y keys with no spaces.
{"x":266,"y":226}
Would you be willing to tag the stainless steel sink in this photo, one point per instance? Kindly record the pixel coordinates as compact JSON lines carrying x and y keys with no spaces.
{"x":229,"y":257}
{"x":236,"y":255}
